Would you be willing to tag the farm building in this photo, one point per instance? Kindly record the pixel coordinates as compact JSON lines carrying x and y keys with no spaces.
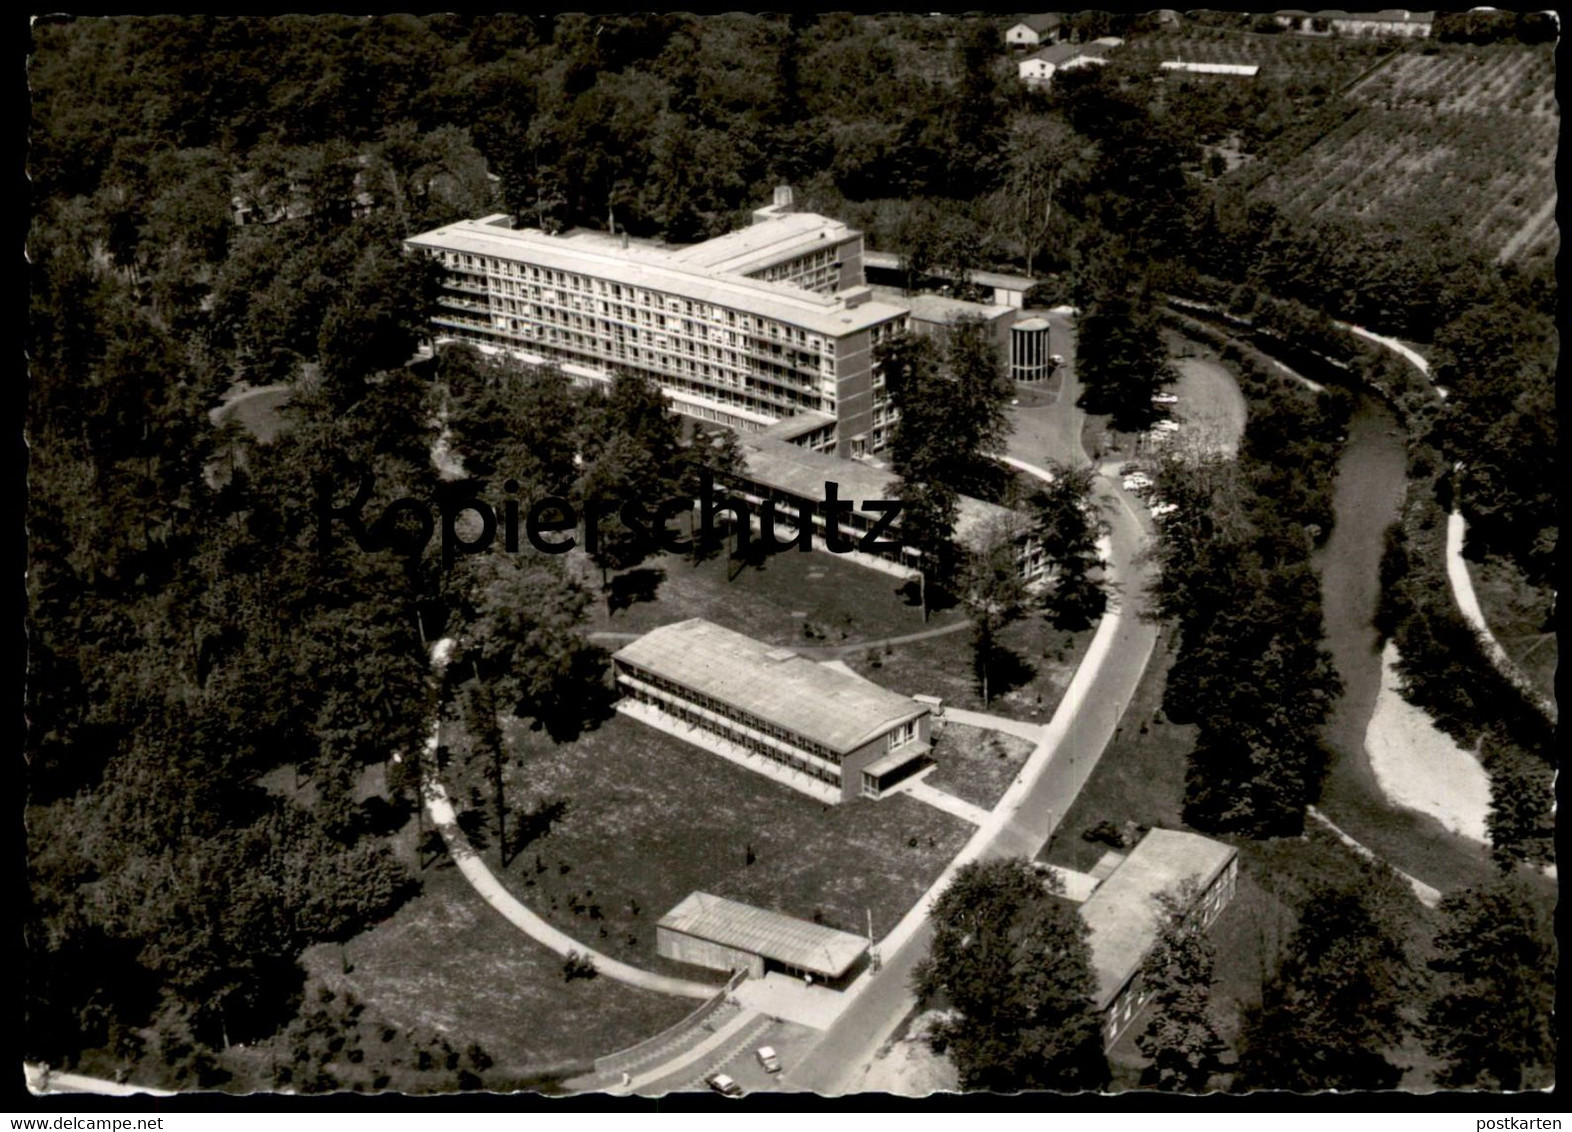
{"x":826,"y":733}
{"x":1034,"y":31}
{"x":1038,"y":70}
{"x":1242,"y":70}
{"x":1125,"y":917}
{"x":727,"y":935}
{"x":1390,"y":21}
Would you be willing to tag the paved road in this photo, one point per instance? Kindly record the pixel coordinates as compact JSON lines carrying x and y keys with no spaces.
{"x":838,"y":1063}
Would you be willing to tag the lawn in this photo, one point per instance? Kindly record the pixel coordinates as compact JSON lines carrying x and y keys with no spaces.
{"x":974,"y":764}
{"x":632,"y":820}
{"x":813,"y":599}
{"x":1033,"y":664}
{"x":259,"y":412}
{"x":1519,"y":616}
{"x":1140,"y":777}
{"x":449,"y":962}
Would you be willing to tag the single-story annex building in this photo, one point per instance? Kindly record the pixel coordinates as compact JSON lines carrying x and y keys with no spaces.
{"x":727,"y":935}
{"x":829,"y":734}
{"x":1125,"y":917}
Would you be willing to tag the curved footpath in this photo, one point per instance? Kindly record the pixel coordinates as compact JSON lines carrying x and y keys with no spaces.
{"x":1468,"y":603}
{"x":1456,"y":569}
{"x":485,"y":882}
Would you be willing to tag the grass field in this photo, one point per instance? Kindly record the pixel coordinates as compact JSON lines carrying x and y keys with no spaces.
{"x":774,"y":599}
{"x":1304,"y":66}
{"x":1519,"y":616}
{"x":1140,"y":777}
{"x":259,"y":413}
{"x":976,"y":765}
{"x":645,"y":819}
{"x":1464,"y":139}
{"x":1033,"y":664}
{"x":447,"y":967}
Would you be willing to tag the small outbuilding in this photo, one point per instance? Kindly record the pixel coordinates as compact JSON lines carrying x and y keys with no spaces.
{"x":727,"y":935}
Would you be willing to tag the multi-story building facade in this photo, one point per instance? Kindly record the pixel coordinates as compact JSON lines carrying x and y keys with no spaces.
{"x":828,"y":734}
{"x":745,"y":330}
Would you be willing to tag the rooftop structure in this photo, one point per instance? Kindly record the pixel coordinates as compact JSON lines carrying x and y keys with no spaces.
{"x":1246,"y":70}
{"x":776,"y":684}
{"x":756,"y":938}
{"x":1123,"y":912}
{"x":1034,"y":30}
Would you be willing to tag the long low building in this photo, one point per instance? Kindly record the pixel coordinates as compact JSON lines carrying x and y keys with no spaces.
{"x":727,"y":935}
{"x":1126,"y":917}
{"x":822,"y":732}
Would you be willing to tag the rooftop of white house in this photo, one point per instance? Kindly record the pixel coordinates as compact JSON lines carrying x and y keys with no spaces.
{"x":775,"y":684}
{"x":681,"y":272}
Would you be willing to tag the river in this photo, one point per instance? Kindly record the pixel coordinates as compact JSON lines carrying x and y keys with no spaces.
{"x":1367,"y":497}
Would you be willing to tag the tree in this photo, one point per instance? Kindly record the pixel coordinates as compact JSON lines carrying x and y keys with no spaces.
{"x":1040,"y":148}
{"x":1012,"y":960}
{"x":1181,"y":1041}
{"x":1492,"y":1018}
{"x":1335,"y":1008}
{"x":1069,"y":524}
{"x":519,"y":620}
{"x":1121,"y":359}
{"x":991,"y":587}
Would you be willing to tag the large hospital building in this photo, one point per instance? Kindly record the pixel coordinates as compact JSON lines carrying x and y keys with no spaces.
{"x":765,"y":323}
{"x":771,"y":323}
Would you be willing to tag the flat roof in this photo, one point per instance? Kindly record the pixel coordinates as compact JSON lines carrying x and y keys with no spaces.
{"x":1077,"y":886}
{"x":1246,"y":69}
{"x":776,"y":684}
{"x":889,"y":261}
{"x":759,"y":931}
{"x":766,"y":242}
{"x":943,"y":309}
{"x":803,"y":472}
{"x":1124,"y":914}
{"x":658,"y":269}
{"x":899,"y":757}
{"x":808,"y":420}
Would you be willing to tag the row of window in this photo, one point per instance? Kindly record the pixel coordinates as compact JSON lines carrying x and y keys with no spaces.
{"x":500,"y":271}
{"x":741,"y":737}
{"x":729,"y":711}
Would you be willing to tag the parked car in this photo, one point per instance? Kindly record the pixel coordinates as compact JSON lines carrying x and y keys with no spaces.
{"x":1165,"y":398}
{"x":1137,"y":482}
{"x":724,"y":1085}
{"x":1129,"y":469}
{"x":768,"y":1059}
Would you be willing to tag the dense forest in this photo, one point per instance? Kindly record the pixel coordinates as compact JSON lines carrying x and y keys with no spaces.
{"x":216,"y":695}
